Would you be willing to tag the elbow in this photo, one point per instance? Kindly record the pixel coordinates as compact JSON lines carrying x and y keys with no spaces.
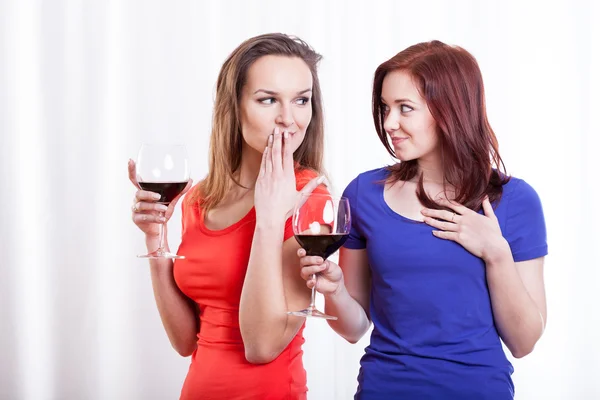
{"x":260,"y":356}
{"x":184,"y":352}
{"x":352,"y":339}
{"x":184,"y":349}
{"x":521,"y":351}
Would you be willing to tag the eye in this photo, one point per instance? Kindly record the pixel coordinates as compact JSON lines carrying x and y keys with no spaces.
{"x":267,"y":100}
{"x":404,"y":108}
{"x":302,"y":101}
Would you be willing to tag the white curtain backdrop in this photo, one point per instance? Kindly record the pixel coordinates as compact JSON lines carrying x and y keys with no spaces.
{"x":84,"y":83}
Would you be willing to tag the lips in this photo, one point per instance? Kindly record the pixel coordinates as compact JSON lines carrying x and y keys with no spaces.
{"x":398,"y":140}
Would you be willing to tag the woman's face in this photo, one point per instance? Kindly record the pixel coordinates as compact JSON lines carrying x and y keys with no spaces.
{"x":277,"y":93}
{"x":407,"y":119}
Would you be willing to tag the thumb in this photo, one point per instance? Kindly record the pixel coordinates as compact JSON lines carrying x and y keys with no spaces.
{"x":132,"y":173}
{"x":186,"y":188}
{"x":312,"y":185}
{"x":308,"y":189}
{"x":169,"y":211}
{"x":488,"y":210}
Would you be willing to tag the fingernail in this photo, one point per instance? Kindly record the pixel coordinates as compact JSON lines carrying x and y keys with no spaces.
{"x":286,"y":134}
{"x":319,"y":260}
{"x":270,"y":139}
{"x":424,"y":211}
{"x":156,"y":196}
{"x":162,"y":207}
{"x":162,"y":219}
{"x":276,"y":131}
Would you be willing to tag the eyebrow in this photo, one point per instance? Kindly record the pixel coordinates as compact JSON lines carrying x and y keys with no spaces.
{"x":399,"y":101}
{"x":272,"y":93}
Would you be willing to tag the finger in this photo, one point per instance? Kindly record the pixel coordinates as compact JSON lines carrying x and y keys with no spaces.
{"x":132,"y":173}
{"x":187,"y":187}
{"x":440,"y":214}
{"x":301,"y":252}
{"x":142,"y":206}
{"x":276,"y":150}
{"x":446,"y":226}
{"x":446,"y":235}
{"x":310,"y":260}
{"x":288,"y":153}
{"x":269,"y":164}
{"x":307,"y":272}
{"x":458,"y":208}
{"x":488,"y":210}
{"x":148,"y":218}
{"x":144,"y":195}
{"x":263,"y":163}
{"x":312,"y":185}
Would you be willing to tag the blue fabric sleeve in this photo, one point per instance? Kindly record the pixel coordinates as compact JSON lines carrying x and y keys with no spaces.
{"x":525,"y":225}
{"x":355,"y":240}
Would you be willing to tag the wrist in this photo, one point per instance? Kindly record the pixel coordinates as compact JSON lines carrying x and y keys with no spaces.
{"x":270,"y":224}
{"x":499,"y":253}
{"x":153,"y":242}
{"x":338,"y":293}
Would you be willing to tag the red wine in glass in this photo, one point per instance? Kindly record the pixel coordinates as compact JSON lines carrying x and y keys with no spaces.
{"x":167,"y":190}
{"x":321,"y":245}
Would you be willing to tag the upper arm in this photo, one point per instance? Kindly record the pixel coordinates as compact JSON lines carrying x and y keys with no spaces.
{"x":357,"y":276}
{"x":532,"y":275}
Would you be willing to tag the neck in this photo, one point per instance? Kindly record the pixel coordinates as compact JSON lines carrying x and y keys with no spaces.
{"x":432,"y":170}
{"x":249,"y":167}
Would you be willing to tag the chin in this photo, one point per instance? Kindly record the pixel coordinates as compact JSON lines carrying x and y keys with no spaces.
{"x":404,"y":158}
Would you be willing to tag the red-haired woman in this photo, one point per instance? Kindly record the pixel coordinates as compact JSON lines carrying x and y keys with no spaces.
{"x":446,"y":251}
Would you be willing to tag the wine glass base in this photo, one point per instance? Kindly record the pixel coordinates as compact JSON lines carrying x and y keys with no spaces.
{"x":159,"y":254}
{"x":311,"y":313}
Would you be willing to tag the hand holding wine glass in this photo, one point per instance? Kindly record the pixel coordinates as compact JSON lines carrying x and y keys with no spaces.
{"x":330,"y":274}
{"x":162,"y":175}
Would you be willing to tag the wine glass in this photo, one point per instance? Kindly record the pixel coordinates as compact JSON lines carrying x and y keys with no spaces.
{"x":163,"y":169}
{"x":321,"y":225}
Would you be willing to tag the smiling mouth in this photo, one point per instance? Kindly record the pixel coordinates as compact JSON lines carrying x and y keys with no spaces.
{"x":398,"y":139}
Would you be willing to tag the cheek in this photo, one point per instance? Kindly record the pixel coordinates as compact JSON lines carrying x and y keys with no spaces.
{"x":255,"y":127}
{"x":423,"y":133}
{"x":302,"y":117}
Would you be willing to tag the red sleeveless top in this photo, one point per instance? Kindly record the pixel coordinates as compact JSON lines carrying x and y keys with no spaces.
{"x":212,"y":275}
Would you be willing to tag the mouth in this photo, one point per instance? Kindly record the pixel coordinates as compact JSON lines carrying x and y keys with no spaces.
{"x":398,"y":140}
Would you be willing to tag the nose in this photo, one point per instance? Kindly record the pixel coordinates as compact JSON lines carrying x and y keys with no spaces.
{"x":285,"y":117}
{"x":391,"y":123}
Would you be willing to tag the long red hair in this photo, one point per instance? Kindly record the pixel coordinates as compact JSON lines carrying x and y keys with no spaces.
{"x":449,"y":79}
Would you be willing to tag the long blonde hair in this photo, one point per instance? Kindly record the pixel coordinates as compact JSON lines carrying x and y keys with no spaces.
{"x":225,"y":154}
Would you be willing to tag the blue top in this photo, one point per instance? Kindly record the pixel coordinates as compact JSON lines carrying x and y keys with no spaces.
{"x":434,"y":335}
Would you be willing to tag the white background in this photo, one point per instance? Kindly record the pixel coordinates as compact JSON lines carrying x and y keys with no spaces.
{"x":83,"y":83}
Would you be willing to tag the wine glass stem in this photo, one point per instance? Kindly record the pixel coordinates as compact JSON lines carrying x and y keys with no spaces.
{"x":312,"y":294}
{"x":161,"y":246}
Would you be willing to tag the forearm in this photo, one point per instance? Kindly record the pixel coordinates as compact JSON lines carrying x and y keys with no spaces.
{"x":263,"y":306}
{"x":177,"y":312}
{"x":519,"y":320}
{"x":352,"y":322}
